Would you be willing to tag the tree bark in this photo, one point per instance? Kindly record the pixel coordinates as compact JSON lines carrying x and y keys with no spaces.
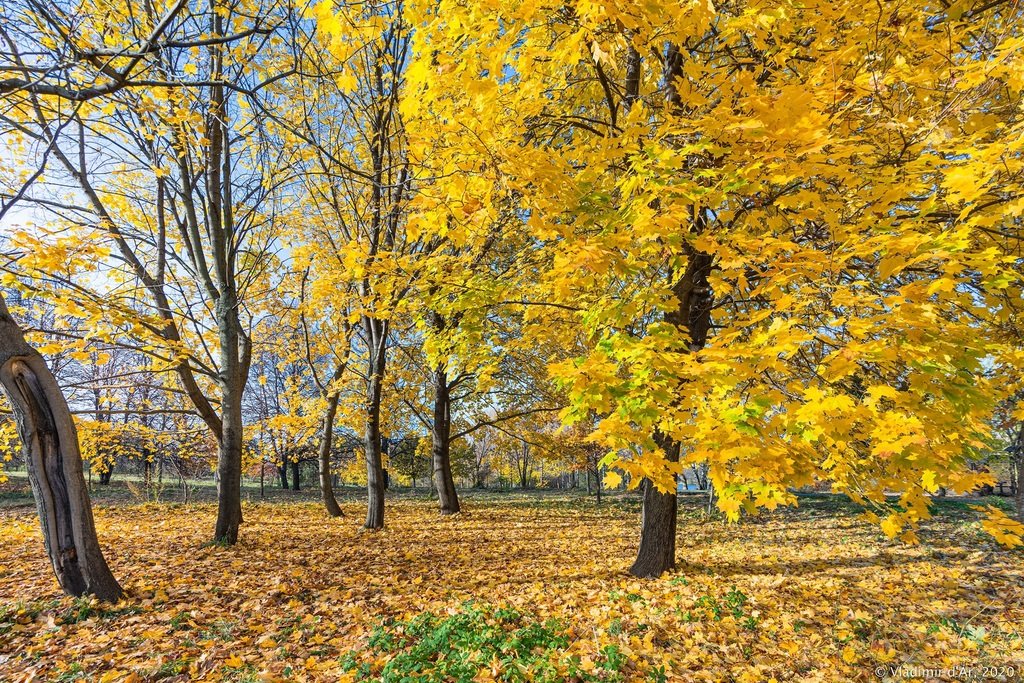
{"x":54,"y":463}
{"x":229,"y":455}
{"x":326,"y":439}
{"x":657,"y":536}
{"x":1019,"y":480}
{"x":374,"y":465}
{"x":692,"y":315}
{"x":657,"y":553}
{"x":295,"y":475}
{"x":441,"y":445}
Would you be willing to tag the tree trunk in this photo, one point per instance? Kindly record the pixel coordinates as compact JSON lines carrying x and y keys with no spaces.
{"x":1019,"y":479}
{"x":523,"y":467}
{"x":106,"y":473}
{"x":441,"y":444}
{"x":233,"y":373}
{"x":282,"y":470}
{"x":229,"y":482}
{"x":295,"y":475}
{"x":326,"y":439}
{"x":374,"y":466}
{"x":235,"y":346}
{"x":54,"y":464}
{"x":657,"y":553}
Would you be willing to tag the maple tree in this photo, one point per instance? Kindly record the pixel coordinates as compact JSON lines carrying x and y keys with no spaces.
{"x":358,"y":180}
{"x":791,"y":230}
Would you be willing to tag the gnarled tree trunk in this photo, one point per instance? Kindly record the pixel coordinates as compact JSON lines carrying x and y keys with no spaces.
{"x":54,"y":463}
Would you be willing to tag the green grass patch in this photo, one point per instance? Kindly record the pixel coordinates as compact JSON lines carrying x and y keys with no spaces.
{"x":513,"y":646}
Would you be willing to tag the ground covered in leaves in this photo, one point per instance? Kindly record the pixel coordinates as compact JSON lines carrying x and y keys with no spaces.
{"x":518,"y":588}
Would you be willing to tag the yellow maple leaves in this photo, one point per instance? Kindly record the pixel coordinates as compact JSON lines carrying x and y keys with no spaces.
{"x":811,"y":589}
{"x":1005,"y":530}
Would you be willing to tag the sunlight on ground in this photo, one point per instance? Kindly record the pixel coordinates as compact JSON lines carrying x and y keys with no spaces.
{"x":519,"y":589}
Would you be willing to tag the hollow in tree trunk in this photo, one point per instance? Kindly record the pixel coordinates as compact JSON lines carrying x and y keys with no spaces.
{"x":441,"y":446}
{"x":54,"y":463}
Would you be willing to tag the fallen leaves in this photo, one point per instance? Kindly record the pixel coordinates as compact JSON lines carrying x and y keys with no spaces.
{"x":808,"y":594}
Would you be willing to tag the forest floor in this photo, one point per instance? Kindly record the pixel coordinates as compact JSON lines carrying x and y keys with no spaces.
{"x":519,"y":587}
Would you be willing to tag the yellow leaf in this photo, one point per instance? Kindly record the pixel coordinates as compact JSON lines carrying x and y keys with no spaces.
{"x":892,"y":525}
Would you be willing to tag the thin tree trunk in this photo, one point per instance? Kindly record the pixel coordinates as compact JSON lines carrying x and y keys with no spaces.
{"x":229,"y":455}
{"x":374,"y":466}
{"x":523,"y":466}
{"x":235,"y":347}
{"x":441,"y":444}
{"x":326,"y":439}
{"x":54,"y":464}
{"x":1019,"y":480}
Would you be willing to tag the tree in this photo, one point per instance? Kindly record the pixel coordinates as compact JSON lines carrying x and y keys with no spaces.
{"x":787,"y":233}
{"x":359,"y":185}
{"x":191,"y":212}
{"x":50,"y":446}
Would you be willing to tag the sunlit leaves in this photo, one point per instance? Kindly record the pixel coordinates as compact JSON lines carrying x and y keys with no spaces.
{"x":810,"y":588}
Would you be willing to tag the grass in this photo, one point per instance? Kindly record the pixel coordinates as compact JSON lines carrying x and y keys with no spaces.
{"x":511,"y":645}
